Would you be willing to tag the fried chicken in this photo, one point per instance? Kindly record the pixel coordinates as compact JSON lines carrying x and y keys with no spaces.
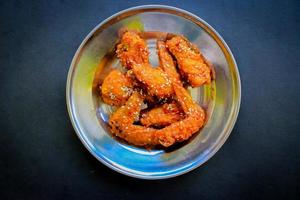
{"x":121,"y":122}
{"x":192,"y":65}
{"x":116,"y":88}
{"x":162,"y":115}
{"x":133,"y":54}
{"x":175,"y":117}
{"x":166,"y":62}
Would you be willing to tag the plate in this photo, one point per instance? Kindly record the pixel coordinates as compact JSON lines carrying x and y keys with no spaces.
{"x":89,"y":115}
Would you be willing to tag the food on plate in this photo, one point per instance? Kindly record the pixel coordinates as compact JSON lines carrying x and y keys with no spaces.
{"x":155,"y":80}
{"x":121,"y":122}
{"x":154,"y":107}
{"x":133,"y":54}
{"x":116,"y":88}
{"x":162,"y":115}
{"x":132,"y":49}
{"x":191,"y":63}
{"x":166,"y":62}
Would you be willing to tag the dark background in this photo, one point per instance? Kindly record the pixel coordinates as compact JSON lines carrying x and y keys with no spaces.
{"x":42,"y":158}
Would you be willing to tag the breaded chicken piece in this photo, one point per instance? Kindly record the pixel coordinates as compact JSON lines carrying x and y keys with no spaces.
{"x":133,"y":54}
{"x":166,"y":62}
{"x":155,"y":80}
{"x":191,"y":63}
{"x":162,"y":115}
{"x":132,"y":50}
{"x":167,"y":113}
{"x":121,"y":122}
{"x":116,"y":88}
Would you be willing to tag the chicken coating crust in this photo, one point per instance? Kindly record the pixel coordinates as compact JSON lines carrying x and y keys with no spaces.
{"x":162,"y":115}
{"x":166,"y":114}
{"x":180,"y":118}
{"x":166,"y":62}
{"x":121,"y":122}
{"x":132,"y":50}
{"x":192,"y":64}
{"x":116,"y":88}
{"x":155,"y":80}
{"x":133,"y":54}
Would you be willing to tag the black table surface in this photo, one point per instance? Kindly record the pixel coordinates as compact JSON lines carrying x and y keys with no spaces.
{"x":42,"y":158}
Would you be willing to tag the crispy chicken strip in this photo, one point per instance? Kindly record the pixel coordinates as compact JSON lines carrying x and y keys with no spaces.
{"x":121,"y":122}
{"x":133,"y":54}
{"x":132,"y":50}
{"x":137,"y":84}
{"x":127,"y":113}
{"x":167,"y":113}
{"x":166,"y":62}
{"x":163,"y":115}
{"x":116,"y":88}
{"x":183,"y":129}
{"x":192,"y":65}
{"x":155,"y":80}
